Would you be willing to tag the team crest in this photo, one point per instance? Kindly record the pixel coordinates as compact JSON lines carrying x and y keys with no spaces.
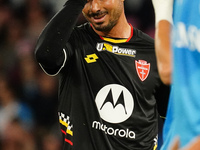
{"x":142,"y":68}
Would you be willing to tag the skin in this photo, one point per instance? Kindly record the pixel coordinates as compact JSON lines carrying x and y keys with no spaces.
{"x":164,"y":58}
{"x":107,"y":18}
{"x":163,"y":50}
{"x":193,"y":145}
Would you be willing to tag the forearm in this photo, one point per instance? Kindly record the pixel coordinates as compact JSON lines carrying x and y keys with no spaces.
{"x":163,"y":50}
{"x":49,"y":49}
{"x":163,"y":22}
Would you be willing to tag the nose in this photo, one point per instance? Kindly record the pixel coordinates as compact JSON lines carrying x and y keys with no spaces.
{"x":94,"y":5}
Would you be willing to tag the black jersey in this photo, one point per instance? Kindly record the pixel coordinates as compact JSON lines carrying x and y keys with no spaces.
{"x":107,"y":92}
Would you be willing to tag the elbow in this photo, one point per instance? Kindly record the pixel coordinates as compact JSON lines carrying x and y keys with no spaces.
{"x":44,"y":56}
{"x":50,"y":58}
{"x":40,"y":54}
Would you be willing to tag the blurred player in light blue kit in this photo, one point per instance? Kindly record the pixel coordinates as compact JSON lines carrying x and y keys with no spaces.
{"x":180,"y":68}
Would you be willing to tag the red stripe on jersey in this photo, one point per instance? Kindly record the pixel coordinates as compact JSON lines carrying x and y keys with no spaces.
{"x":68,"y":141}
{"x":131,"y":33}
{"x":63,"y":131}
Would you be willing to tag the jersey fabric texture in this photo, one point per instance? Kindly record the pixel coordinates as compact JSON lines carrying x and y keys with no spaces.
{"x":107,"y":92}
{"x":184,"y":118}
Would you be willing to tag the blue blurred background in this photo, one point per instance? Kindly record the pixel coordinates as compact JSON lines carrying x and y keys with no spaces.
{"x":28,"y":97}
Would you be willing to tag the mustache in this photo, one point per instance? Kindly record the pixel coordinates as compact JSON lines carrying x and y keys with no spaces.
{"x":96,"y":14}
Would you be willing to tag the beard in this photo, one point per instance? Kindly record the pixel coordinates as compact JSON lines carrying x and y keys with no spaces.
{"x":105,"y":28}
{"x":107,"y":25}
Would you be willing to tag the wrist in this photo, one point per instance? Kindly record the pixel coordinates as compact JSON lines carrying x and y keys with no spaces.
{"x":163,"y":10}
{"x":80,"y":2}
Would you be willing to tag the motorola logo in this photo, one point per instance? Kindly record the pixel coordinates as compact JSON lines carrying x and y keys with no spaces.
{"x":115,"y":103}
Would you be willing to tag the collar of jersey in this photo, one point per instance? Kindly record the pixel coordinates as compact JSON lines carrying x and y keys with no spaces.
{"x":112,"y":40}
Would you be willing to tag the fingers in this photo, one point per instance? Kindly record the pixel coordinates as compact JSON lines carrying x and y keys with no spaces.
{"x":193,"y":145}
{"x":175,"y":145}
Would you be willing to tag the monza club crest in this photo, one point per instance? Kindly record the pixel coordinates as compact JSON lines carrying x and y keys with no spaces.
{"x":142,"y":68}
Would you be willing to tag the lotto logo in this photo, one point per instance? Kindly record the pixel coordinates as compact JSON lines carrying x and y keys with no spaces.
{"x":91,"y":58}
